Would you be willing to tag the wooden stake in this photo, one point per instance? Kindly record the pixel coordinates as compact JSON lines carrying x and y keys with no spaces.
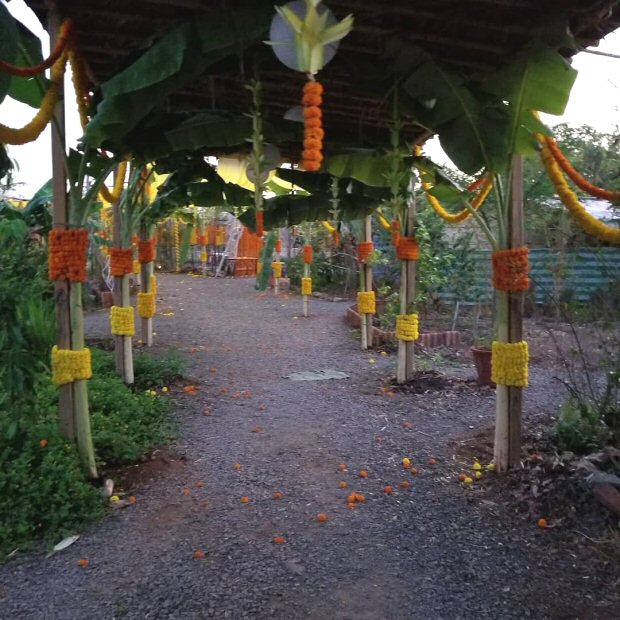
{"x":146,"y":271}
{"x":62,"y":288}
{"x":509,"y":400}
{"x":406,"y":350}
{"x":368,"y":282}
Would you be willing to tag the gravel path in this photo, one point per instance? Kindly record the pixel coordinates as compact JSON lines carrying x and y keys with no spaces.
{"x":433,"y":551}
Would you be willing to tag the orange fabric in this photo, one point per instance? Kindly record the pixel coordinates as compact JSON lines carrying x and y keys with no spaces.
{"x":67,"y":254}
{"x":260,"y":222}
{"x":511,"y":269}
{"x":146,"y":251}
{"x":121,"y":261}
{"x":308,"y":254}
{"x":407,"y":248}
{"x":279,"y":246}
{"x":364,"y":250}
{"x":395,"y":232}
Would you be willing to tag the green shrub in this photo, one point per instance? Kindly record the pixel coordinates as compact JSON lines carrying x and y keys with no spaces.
{"x":579,"y":428}
{"x":43,"y":489}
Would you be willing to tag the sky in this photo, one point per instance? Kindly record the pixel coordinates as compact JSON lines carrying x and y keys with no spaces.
{"x":595,"y":101}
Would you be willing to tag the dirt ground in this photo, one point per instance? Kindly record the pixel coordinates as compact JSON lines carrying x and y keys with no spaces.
{"x":437,"y":549}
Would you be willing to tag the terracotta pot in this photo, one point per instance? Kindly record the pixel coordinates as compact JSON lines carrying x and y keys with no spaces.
{"x":482,"y":361}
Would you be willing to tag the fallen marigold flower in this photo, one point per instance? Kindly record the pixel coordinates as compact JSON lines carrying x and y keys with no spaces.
{"x":279,"y":540}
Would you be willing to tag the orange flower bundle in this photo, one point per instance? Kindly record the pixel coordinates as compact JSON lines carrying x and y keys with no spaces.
{"x":510,"y":270}
{"x":312,"y":154}
{"x":61,"y":43}
{"x":146,"y":251}
{"x":278,"y":246}
{"x":67,"y":254}
{"x":134,"y":239}
{"x":121,"y":261}
{"x":336,"y":239}
{"x":395,"y":232}
{"x":407,"y":248}
{"x":364,"y":250}
{"x":260,"y":224}
{"x":202,"y":239}
{"x":307,"y":254}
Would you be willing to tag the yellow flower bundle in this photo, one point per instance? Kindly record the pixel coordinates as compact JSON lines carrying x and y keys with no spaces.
{"x":277,"y":268}
{"x":306,"y":286}
{"x":136,"y":266}
{"x":69,"y":365}
{"x":153,"y":288}
{"x":407,"y":327}
{"x":203,"y":256}
{"x":366,"y":303}
{"x":509,"y":363}
{"x":122,"y":321}
{"x":146,"y":305}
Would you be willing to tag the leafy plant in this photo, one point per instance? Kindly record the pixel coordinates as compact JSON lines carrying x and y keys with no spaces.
{"x":579,"y":428}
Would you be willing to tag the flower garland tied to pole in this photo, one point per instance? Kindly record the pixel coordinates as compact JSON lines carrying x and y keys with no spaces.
{"x":483,"y":184}
{"x":306,"y":281}
{"x":587,"y":222}
{"x":64,"y":34}
{"x":32,"y":130}
{"x":312,"y":35}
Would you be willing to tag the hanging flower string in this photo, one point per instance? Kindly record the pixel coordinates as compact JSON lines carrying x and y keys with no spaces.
{"x":312,"y":154}
{"x":32,"y":130}
{"x":64,"y":33}
{"x":587,"y":222}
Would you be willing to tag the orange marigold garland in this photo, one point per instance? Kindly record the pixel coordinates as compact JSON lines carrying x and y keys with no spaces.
{"x":336,"y":239}
{"x":202,"y":239}
{"x":308,"y":254}
{"x":146,"y":251}
{"x":364,"y":250}
{"x":407,"y":248}
{"x":67,"y":254}
{"x":510,"y":270}
{"x":312,"y":154}
{"x":121,"y":262}
{"x":278,"y":247}
{"x":63,"y":37}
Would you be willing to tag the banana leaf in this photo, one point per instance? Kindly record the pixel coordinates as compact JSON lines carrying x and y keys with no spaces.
{"x":262,"y":281}
{"x":28,"y":90}
{"x":8,"y":47}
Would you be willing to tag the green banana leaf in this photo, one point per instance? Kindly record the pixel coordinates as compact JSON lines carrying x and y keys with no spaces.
{"x":8,"y":47}
{"x":28,"y":90}
{"x":173,"y":62}
{"x":262,"y":281}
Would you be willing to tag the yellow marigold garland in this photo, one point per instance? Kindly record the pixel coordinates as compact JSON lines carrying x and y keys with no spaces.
{"x":153,"y":287}
{"x":119,"y":182}
{"x":146,"y":305}
{"x":306,"y":286}
{"x":509,"y":363}
{"x":136,"y":266}
{"x":69,"y":365}
{"x":122,"y":321}
{"x":587,"y":222}
{"x":80,"y":83}
{"x":277,"y":268}
{"x":203,"y":256}
{"x":177,"y":244}
{"x":32,"y":130}
{"x":407,"y":327}
{"x":366,"y":303}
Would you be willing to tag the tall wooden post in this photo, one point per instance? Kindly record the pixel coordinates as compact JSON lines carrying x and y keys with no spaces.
{"x":146,"y":271}
{"x":307,"y":274}
{"x":509,"y":399}
{"x":62,"y":288}
{"x":368,"y":281}
{"x":406,"y":352}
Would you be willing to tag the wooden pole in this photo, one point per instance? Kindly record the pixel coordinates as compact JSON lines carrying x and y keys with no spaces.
{"x":368,"y":282}
{"x":276,"y":281}
{"x":406,"y":350}
{"x":117,"y":291}
{"x":307,"y":273}
{"x":509,"y":399}
{"x":146,"y":271}
{"x":62,"y":288}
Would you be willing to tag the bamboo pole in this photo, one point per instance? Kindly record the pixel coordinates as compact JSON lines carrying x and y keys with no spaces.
{"x":80,"y":389}
{"x":509,"y":399}
{"x":306,"y":308}
{"x":368,"y":282}
{"x":62,"y":288}
{"x":146,"y":271}
{"x":406,"y":352}
{"x":128,"y":377}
